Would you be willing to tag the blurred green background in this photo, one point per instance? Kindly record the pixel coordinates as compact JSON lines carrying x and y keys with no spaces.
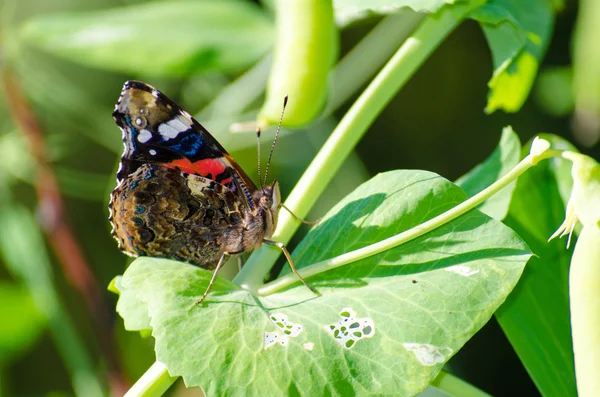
{"x":435,"y":123}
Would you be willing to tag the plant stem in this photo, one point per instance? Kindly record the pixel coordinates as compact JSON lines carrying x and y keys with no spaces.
{"x":237,"y":95}
{"x":352,"y":72}
{"x":155,"y":381}
{"x":348,"y":132}
{"x":453,"y":386}
{"x":410,"y":234}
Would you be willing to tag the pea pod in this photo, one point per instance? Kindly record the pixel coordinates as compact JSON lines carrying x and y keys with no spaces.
{"x":584,"y":274}
{"x":584,"y":293}
{"x":305,"y":48}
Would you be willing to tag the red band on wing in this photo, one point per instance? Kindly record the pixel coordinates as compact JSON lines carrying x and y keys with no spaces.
{"x":208,"y":168}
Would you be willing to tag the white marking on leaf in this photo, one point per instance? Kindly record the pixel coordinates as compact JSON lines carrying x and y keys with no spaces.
{"x":173,"y":127}
{"x":349,"y":330}
{"x":463,"y":270}
{"x":270,"y":339}
{"x":308,"y":346}
{"x":428,"y":355}
{"x":144,"y":136}
{"x":285,"y":329}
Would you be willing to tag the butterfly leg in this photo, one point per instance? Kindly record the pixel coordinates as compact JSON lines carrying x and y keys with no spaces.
{"x":240,"y":263}
{"x":222,"y":261}
{"x":296,"y":217}
{"x":289,"y":259}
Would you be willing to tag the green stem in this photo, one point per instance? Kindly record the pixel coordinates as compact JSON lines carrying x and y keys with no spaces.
{"x":352,"y":72}
{"x":348,"y":132}
{"x":453,"y":386}
{"x":155,"y":381}
{"x":240,"y":93}
{"x":410,"y":234}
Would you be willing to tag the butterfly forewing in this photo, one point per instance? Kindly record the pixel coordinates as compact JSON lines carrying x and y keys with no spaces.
{"x":157,"y":131}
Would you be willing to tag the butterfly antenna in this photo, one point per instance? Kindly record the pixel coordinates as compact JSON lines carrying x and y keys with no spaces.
{"x":285,"y":99}
{"x":258,"y":150}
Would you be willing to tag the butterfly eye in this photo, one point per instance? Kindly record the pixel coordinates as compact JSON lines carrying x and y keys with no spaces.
{"x":140,"y":122}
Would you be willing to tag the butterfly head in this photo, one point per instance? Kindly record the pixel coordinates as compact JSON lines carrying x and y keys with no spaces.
{"x":269,"y":201}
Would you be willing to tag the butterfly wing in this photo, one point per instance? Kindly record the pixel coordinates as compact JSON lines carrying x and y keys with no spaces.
{"x":157,"y":131}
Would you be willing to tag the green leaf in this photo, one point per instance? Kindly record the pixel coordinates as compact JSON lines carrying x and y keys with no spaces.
{"x":349,"y":11}
{"x":501,"y":161}
{"x":414,"y":305}
{"x":518,"y":34}
{"x":134,"y":313}
{"x":535,"y":318}
{"x":177,"y":38}
{"x":22,"y":323}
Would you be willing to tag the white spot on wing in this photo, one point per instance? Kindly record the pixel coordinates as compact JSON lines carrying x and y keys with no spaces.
{"x":173,"y":127}
{"x":152,"y":152}
{"x":144,"y":136}
{"x":128,"y":148}
{"x":428,"y":355}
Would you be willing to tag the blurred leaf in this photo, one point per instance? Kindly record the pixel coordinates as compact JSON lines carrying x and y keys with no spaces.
{"x":176,"y":38}
{"x":586,"y":65}
{"x":586,"y":74}
{"x":349,"y":11}
{"x":23,"y":250}
{"x":16,"y":158}
{"x":554,"y":91}
{"x":62,"y":103}
{"x":17,"y":162}
{"x":423,"y":300}
{"x":535,"y":317}
{"x":501,"y":161}
{"x":558,"y":5}
{"x":518,"y":34}
{"x":22,"y":323}
{"x":81,"y":184}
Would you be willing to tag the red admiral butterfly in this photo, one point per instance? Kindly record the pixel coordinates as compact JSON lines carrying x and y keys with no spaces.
{"x":180,"y":195}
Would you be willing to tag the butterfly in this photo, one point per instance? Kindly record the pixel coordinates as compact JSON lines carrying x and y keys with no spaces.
{"x":179,"y":194}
